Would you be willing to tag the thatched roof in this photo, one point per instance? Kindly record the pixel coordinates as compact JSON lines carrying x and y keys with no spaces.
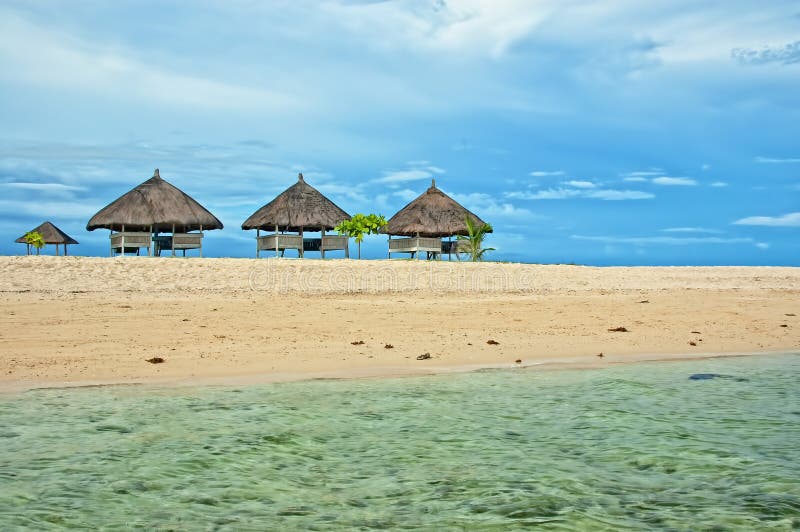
{"x":433,"y":213}
{"x":157,"y":204}
{"x":51,"y":235}
{"x":299,"y":206}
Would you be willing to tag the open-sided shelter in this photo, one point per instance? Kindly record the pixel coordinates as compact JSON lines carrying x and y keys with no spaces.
{"x":51,"y":235}
{"x":137,"y":217}
{"x":425,"y":221}
{"x":297,"y":209}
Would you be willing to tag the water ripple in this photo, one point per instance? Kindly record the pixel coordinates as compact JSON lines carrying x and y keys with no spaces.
{"x":626,"y":448}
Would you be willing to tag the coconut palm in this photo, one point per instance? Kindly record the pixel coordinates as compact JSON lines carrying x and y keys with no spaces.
{"x":472,"y":243}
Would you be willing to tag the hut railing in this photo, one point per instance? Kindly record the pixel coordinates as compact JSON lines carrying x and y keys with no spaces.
{"x":415,"y":244}
{"x":187,"y":240}
{"x":129,"y":242}
{"x":279,"y":242}
{"x":334,"y":242}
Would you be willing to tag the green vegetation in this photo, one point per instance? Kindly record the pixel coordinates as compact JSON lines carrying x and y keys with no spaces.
{"x":474,"y":241}
{"x":361,"y":225}
{"x":35,"y":239}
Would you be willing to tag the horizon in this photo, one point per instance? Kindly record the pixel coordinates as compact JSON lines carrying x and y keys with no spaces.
{"x":600,"y":134}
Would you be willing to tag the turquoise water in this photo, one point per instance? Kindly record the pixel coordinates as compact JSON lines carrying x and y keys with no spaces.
{"x":633,"y":447}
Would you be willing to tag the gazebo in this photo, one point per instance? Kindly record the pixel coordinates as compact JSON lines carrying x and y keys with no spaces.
{"x":425,"y":221}
{"x":51,"y":235}
{"x":299,"y":208}
{"x":156,"y":206}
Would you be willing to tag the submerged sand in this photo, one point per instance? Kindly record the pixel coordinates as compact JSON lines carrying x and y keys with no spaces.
{"x":81,"y":320}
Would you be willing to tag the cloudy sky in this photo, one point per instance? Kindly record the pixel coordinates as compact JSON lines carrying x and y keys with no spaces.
{"x":596,"y":132}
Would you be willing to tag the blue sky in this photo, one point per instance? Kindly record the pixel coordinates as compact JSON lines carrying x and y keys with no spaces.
{"x":599,"y":132}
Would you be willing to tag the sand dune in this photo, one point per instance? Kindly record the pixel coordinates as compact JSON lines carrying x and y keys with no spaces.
{"x":79,"y":320}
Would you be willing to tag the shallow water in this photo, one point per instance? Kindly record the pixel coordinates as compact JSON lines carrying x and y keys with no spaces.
{"x":630,"y":447}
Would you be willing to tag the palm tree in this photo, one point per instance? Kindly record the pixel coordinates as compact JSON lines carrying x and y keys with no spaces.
{"x":473,"y":246}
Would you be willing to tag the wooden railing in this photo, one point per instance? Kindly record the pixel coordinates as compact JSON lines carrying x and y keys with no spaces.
{"x":280,"y":243}
{"x":129,"y":242}
{"x":415,"y":244}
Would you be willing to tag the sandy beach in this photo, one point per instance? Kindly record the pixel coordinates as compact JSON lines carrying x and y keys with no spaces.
{"x":69,"y":321}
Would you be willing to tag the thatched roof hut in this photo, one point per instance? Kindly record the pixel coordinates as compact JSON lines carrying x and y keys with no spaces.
{"x":154,"y":206}
{"x":51,"y":235}
{"x":432,"y":214}
{"x":299,"y":208}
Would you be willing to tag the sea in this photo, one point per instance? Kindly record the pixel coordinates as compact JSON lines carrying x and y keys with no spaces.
{"x":708,"y":444}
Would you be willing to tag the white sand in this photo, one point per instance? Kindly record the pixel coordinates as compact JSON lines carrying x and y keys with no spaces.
{"x":77,"y":320}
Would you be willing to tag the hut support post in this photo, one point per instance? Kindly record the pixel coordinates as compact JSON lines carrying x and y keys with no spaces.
{"x":277,"y":239}
{"x":28,"y":249}
{"x":301,"y":243}
{"x":65,"y":250}
{"x":258,"y":235}
{"x":390,"y":246}
{"x":201,"y":242}
{"x":322,"y":244}
{"x":173,"y":240}
{"x":152,"y":245}
{"x":122,"y":249}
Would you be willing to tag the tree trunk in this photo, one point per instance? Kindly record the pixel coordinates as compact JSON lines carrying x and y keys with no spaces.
{"x":359,"y":251}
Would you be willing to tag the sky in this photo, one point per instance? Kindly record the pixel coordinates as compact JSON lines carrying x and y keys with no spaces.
{"x":605,"y":132}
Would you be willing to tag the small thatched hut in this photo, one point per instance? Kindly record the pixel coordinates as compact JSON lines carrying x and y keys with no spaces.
{"x":299,"y":208}
{"x":155,"y":206}
{"x":425,"y":220}
{"x":51,"y":235}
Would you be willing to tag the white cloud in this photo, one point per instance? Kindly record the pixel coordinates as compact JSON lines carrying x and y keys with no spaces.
{"x":487,"y":206}
{"x":762,"y":245}
{"x":568,"y":193}
{"x":719,"y":184}
{"x":43,"y":187}
{"x":705,"y":167}
{"x":635,"y":179}
{"x":549,"y":194}
{"x":579,"y":184}
{"x":787,"y":220}
{"x":418,"y":170}
{"x":773,"y":160}
{"x":453,"y":27}
{"x":619,"y":195}
{"x":690,"y":230}
{"x":402,"y":176}
{"x":47,"y":58}
{"x":674,"y":181}
{"x":406,"y":194}
{"x":644,"y":173}
{"x":56,"y":210}
{"x":662,"y":240}
{"x":544,"y":173}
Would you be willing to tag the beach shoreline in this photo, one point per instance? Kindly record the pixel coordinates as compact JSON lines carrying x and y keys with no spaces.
{"x":76,"y":321}
{"x":556,"y":364}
